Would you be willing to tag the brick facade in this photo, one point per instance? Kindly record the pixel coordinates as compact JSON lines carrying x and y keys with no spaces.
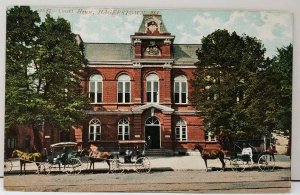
{"x":153,"y":52}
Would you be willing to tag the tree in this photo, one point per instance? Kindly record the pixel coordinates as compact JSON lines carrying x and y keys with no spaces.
{"x":282,"y":68}
{"x":49,"y":90}
{"x":227,"y":74}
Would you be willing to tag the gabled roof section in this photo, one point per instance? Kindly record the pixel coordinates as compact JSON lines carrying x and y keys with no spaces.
{"x":153,"y":105}
{"x":107,"y":51}
{"x":95,"y":52}
{"x":157,"y":19}
{"x":185,"y":52}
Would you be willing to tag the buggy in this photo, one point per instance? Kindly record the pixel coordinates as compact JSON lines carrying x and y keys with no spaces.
{"x":248,"y":153}
{"x":131,"y":156}
{"x":63,"y":156}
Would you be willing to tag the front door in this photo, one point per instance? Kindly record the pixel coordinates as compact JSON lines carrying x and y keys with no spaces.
{"x":152,"y":136}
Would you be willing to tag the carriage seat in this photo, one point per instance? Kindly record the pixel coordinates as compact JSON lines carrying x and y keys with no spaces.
{"x":247,"y":154}
{"x":128,"y":156}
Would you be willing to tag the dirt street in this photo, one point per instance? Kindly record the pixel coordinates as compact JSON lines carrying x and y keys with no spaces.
{"x":156,"y":181}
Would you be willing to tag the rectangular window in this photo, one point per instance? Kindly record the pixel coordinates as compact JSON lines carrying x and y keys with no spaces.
{"x":183,"y":96}
{"x":95,"y":132}
{"x":148,"y":91}
{"x":120,"y":135}
{"x":127,"y":91}
{"x":176,"y":91}
{"x":155,"y":91}
{"x":126,"y":133}
{"x":123,"y":92}
{"x":183,"y":92}
{"x":99,"y":92}
{"x":92,"y":133}
{"x":92,"y":92}
{"x":98,"y":133}
{"x":180,"y":133}
{"x":180,"y":92}
{"x":120,"y":92}
{"x":123,"y":133}
{"x":95,"y":92}
{"x":152,"y":91}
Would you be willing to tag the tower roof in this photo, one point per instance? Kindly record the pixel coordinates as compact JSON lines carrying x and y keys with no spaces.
{"x":150,"y":19}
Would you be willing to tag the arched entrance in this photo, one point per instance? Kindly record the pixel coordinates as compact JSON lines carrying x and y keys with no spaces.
{"x":152,"y":133}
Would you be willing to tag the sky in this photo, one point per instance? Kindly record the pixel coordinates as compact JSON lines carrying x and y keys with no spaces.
{"x":274,"y":29}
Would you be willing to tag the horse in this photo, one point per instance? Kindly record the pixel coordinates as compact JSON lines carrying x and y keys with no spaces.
{"x":98,"y":156}
{"x":24,"y":157}
{"x":211,"y":153}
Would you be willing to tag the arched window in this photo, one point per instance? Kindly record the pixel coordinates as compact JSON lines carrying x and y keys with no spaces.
{"x":180,"y":89}
{"x":152,"y":87}
{"x":124,"y":89}
{"x":181,"y":131}
{"x":95,"y":130}
{"x":95,"y":88}
{"x":123,"y":130}
{"x":152,"y":121}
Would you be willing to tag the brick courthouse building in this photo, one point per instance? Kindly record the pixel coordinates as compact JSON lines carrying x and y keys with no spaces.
{"x":139,"y":92}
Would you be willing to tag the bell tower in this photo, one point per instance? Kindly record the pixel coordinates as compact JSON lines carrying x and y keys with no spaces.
{"x":152,"y":41}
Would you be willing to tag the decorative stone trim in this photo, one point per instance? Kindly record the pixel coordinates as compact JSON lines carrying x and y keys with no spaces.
{"x":167,"y":65}
{"x":137,"y":65}
{"x":167,"y":41}
{"x":137,"y":41}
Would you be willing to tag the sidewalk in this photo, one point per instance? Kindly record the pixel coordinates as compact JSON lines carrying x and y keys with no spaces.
{"x":195,"y":162}
{"x":172,"y":163}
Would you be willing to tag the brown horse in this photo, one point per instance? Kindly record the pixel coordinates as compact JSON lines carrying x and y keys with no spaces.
{"x":27,"y":158}
{"x":211,"y":153}
{"x":97,"y":156}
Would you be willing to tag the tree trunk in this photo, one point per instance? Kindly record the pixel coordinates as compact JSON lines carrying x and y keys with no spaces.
{"x":36,"y":127}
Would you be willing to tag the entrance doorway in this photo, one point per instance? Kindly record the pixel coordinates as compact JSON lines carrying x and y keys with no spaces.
{"x":152,"y":133}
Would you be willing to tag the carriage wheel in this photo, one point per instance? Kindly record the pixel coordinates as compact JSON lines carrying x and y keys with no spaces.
{"x":266,"y":162}
{"x":239,"y":164}
{"x":45,"y":168}
{"x":116,"y":167}
{"x":73,"y":165}
{"x":85,"y":162}
{"x":7,"y":166}
{"x":142,"y":165}
{"x":228,"y":163}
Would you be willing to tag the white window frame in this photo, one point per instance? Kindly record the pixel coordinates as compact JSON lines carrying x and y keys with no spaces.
{"x":124,"y":79}
{"x":95,"y":123}
{"x":209,"y":137}
{"x":96,"y":79}
{"x":180,"y":125}
{"x":152,"y":78}
{"x":181,"y":79}
{"x":123,"y":123}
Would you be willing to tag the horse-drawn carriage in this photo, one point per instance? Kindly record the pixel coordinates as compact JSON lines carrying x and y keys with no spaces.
{"x":63,"y":156}
{"x":131,"y":156}
{"x":248,"y":153}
